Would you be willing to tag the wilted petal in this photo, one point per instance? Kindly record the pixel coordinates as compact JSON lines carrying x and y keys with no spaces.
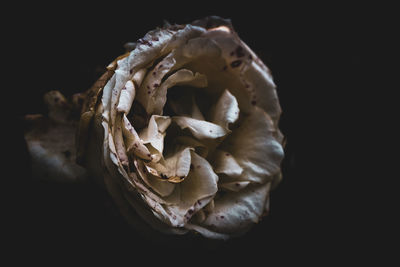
{"x":235,"y":212}
{"x":200,"y":129}
{"x":126,"y":97}
{"x":119,"y":142}
{"x":155,"y":132}
{"x":181,"y":77}
{"x":174,"y":168}
{"x":187,"y":141}
{"x":163,"y":188}
{"x":226,"y":110}
{"x":234,"y":186}
{"x":225,"y":163}
{"x":255,"y":148}
{"x":133,"y":142}
{"x":196,"y":191}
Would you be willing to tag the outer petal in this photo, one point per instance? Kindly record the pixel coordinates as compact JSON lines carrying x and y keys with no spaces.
{"x":255,"y":148}
{"x":235,"y":212}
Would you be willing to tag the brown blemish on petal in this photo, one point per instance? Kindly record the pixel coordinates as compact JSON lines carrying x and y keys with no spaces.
{"x":154,"y":73}
{"x":155,"y":85}
{"x":227,"y":154}
{"x":253,"y":102}
{"x":191,"y":166}
{"x":236,"y":63}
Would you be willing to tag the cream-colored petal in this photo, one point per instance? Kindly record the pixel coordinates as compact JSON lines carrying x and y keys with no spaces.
{"x":133,"y":142}
{"x":200,"y":129}
{"x":174,"y":168}
{"x":234,"y":186}
{"x":196,"y":191}
{"x":235,"y":212}
{"x":155,"y":132}
{"x":163,"y":188}
{"x":226,"y":163}
{"x":255,"y":148}
{"x":226,"y":110}
{"x":126,"y":97}
{"x":181,"y":77}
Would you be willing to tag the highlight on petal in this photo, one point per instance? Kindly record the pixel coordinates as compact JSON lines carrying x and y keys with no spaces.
{"x":155,"y":132}
{"x":126,"y":97}
{"x":133,"y":142}
{"x":163,"y":188}
{"x":226,"y":110}
{"x":199,"y":128}
{"x":174,"y":168}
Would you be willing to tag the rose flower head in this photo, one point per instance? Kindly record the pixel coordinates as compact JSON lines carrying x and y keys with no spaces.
{"x":182,"y":131}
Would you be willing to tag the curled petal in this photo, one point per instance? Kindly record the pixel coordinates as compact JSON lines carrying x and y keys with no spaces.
{"x":174,"y":168}
{"x":255,"y":148}
{"x":126,"y":97}
{"x":196,"y":191}
{"x":133,"y":142}
{"x":201,"y":129}
{"x":226,"y":110}
{"x":181,"y":77}
{"x":163,"y":188}
{"x":155,"y":132}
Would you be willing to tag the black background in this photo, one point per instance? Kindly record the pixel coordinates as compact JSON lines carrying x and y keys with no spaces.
{"x":316,"y":55}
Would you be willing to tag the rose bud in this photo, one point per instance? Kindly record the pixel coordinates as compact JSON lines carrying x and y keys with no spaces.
{"x":182,"y":131}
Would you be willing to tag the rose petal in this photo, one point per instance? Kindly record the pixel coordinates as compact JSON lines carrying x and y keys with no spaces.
{"x":226,"y":163}
{"x":181,"y":77}
{"x":133,"y":142}
{"x":234,"y":186}
{"x":174,"y":168}
{"x":163,"y":188}
{"x":201,"y":184}
{"x":235,"y":218}
{"x":226,"y":110}
{"x":126,"y":97}
{"x":155,"y":132}
{"x":187,"y":141}
{"x":200,"y":129}
{"x":254,"y":147}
